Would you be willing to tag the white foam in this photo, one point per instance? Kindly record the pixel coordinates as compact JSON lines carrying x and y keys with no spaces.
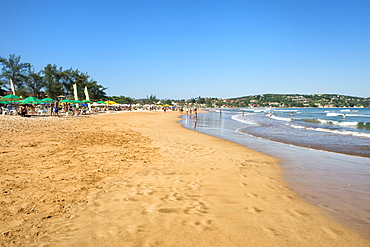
{"x":345,"y":123}
{"x":341,"y":132}
{"x":287,"y":110}
{"x":242,"y":119}
{"x":357,"y":115}
{"x":348,"y":123}
{"x":281,"y":118}
{"x":333,"y":114}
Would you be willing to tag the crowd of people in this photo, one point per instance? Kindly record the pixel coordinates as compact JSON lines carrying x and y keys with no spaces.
{"x":52,"y":109}
{"x":58,"y":109}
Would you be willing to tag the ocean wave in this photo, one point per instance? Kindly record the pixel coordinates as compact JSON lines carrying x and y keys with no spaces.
{"x":287,"y":110}
{"x":340,"y":123}
{"x":242,"y":119}
{"x":357,"y":115}
{"x":348,"y":110}
{"x":281,"y":118}
{"x":341,"y":132}
{"x":334,"y":114}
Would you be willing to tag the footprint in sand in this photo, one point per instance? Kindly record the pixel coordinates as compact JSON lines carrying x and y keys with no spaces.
{"x":243,"y":184}
{"x":169,"y":210}
{"x":254,"y":210}
{"x":270,"y":231}
{"x":335,"y":234}
{"x":297,"y":214}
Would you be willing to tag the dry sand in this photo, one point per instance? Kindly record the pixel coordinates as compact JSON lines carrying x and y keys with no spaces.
{"x":140,"y":179}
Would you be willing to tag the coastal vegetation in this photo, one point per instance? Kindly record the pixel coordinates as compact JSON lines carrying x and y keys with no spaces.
{"x":52,"y":81}
{"x":275,"y":100}
{"x":298,"y":100}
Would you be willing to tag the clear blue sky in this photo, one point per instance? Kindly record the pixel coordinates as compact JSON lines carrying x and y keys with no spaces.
{"x":180,"y":49}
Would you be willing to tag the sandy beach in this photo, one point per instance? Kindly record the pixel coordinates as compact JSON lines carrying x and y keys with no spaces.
{"x":141,"y":179}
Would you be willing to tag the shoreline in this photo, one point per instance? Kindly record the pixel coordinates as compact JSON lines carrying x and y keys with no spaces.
{"x":309,"y":172}
{"x":140,"y":178}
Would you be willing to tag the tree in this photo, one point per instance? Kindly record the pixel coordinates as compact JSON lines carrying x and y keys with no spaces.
{"x":96,"y":91}
{"x":122,"y":100}
{"x":35,"y":83}
{"x":52,"y":78}
{"x":152,"y":99}
{"x":70,"y":77}
{"x":201,"y":100}
{"x":15,"y":70}
{"x":167,"y":102}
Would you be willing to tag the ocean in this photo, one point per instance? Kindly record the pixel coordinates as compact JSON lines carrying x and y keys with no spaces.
{"x":325,"y":152}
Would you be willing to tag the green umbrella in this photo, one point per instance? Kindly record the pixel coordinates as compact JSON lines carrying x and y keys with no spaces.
{"x":11,"y":98}
{"x":31,"y":100}
{"x":67,"y":101}
{"x":87,"y":101}
{"x":47,"y":100}
{"x":101,"y":102}
{"x":77,"y":101}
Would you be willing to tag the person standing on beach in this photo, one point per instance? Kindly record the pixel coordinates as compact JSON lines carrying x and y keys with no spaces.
{"x":51,"y":109}
{"x":56,"y":108}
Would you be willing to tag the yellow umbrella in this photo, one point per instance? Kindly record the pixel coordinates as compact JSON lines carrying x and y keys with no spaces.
{"x":110,"y":102}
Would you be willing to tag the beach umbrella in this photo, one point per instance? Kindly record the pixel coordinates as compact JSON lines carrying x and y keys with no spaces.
{"x":11,"y":98}
{"x":87,"y":101}
{"x":47,"y":100}
{"x":77,"y":101}
{"x":100,"y":102}
{"x":109,"y":102}
{"x":67,"y":101}
{"x":31,"y":100}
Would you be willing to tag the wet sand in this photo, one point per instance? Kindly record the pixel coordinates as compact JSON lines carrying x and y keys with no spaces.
{"x":140,"y":179}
